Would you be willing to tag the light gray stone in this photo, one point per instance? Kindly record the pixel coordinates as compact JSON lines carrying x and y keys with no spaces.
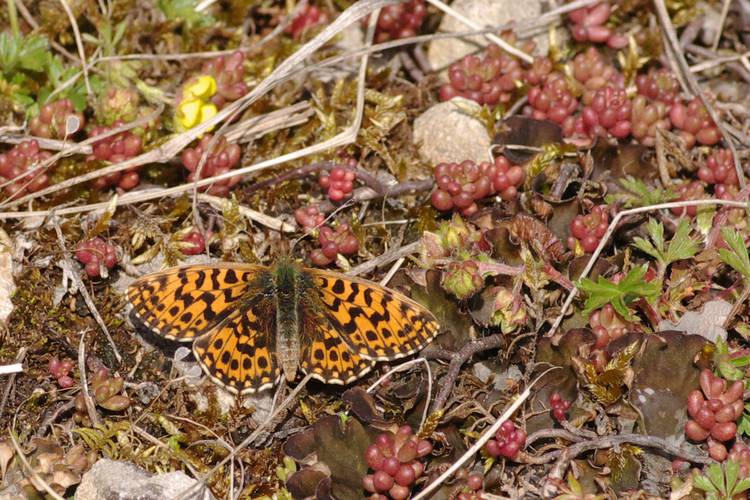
{"x":503,"y":379}
{"x":114,"y":480}
{"x":442,"y":53}
{"x":12,"y":492}
{"x":707,"y":323}
{"x":447,"y":132}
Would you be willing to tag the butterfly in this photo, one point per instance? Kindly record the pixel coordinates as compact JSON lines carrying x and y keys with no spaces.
{"x":250,"y":324}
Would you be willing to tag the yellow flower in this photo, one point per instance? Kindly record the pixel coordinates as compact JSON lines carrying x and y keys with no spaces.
{"x":202,"y":88}
{"x":208,"y":111}
{"x":195,"y":106}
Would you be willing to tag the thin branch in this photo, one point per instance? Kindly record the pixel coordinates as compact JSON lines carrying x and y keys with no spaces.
{"x":720,"y":27}
{"x":79,"y":44}
{"x":188,"y":493}
{"x":458,"y":359}
{"x":50,"y":419}
{"x":614,"y":441}
{"x":87,"y":399}
{"x":12,"y":371}
{"x":385,"y":258}
{"x":486,"y":436}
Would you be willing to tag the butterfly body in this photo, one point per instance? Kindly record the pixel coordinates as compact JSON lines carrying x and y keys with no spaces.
{"x":290,"y":292}
{"x":250,"y":324}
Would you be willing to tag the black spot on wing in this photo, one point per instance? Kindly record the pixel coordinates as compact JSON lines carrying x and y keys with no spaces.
{"x":231,"y":277}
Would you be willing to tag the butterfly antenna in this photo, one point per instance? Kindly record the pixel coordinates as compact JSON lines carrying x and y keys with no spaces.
{"x":307,"y":233}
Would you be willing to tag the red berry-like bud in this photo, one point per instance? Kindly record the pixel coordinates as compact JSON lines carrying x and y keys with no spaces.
{"x":374,"y":457}
{"x":405,"y":475}
{"x":695,"y":432}
{"x":418,"y":468}
{"x":475,"y":481}
{"x":493,"y":448}
{"x":695,"y":402}
{"x":398,"y":492}
{"x":391,"y":465}
{"x":407,"y":452}
{"x":368,"y":483}
{"x":222,"y":158}
{"x":724,"y":431}
{"x":66,"y":382}
{"x":424,"y":447}
{"x":382,"y":481}
{"x":196,"y":241}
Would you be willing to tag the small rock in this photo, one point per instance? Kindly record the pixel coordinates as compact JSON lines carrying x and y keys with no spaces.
{"x":13,"y":492}
{"x":502,"y":379}
{"x":708,"y":323}
{"x":442,"y":53}
{"x":187,"y":367}
{"x":114,"y":480}
{"x":225,"y":400}
{"x":447,"y":132}
{"x":7,"y":284}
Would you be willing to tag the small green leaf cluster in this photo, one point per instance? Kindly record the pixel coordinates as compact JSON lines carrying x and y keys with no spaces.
{"x":681,"y":247}
{"x":639,"y":194}
{"x":722,"y":482}
{"x":25,"y":61}
{"x":184,"y":10}
{"x":631,"y":288}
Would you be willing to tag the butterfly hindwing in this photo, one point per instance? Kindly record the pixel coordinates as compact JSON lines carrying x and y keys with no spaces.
{"x":377,"y":323}
{"x":325,"y":354}
{"x":184,"y":302}
{"x":238,"y":353}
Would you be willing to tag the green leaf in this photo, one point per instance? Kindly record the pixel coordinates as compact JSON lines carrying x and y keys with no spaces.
{"x":715,"y":474}
{"x":33,"y":54}
{"x":27,"y":53}
{"x":620,"y":295}
{"x":184,"y":10}
{"x":738,"y":257}
{"x":724,"y":364}
{"x":681,"y":247}
{"x":728,"y":371}
{"x":743,"y":426}
{"x":703,"y":483}
{"x":656,"y":233}
{"x":743,"y":485}
{"x":731,"y":474}
{"x":704,"y":221}
{"x":641,"y":194}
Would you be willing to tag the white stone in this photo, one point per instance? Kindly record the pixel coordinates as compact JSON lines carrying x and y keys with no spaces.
{"x":443,"y":52}
{"x":708,"y":323}
{"x":7,"y":283}
{"x":447,"y":132}
{"x":115,"y":480}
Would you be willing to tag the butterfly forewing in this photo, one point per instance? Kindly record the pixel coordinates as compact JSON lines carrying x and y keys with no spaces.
{"x":238,"y":353}
{"x":185,"y":302}
{"x":377,"y":323}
